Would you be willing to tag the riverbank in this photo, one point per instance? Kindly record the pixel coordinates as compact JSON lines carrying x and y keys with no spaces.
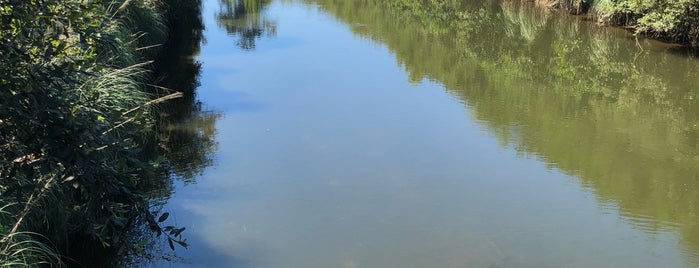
{"x":79,"y":128}
{"x":669,"y":21}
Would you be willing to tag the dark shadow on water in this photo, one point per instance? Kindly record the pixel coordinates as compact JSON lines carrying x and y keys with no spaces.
{"x":187,"y":136}
{"x":684,"y":51}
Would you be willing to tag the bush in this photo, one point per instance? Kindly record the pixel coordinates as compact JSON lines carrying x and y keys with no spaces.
{"x":669,"y":20}
{"x":73,"y":118}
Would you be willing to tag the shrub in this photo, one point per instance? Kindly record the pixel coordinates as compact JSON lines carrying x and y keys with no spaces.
{"x":73,"y":119}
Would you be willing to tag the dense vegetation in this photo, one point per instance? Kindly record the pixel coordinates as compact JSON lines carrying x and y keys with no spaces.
{"x":670,"y":20}
{"x":76,"y":122}
{"x":581,"y":99}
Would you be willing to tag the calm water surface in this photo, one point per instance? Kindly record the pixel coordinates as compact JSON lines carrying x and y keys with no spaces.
{"x":357,"y":133}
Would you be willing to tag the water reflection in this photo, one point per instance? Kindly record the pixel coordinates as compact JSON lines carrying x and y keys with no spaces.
{"x":187,"y":130}
{"x":245,"y":19}
{"x":619,"y":114}
{"x":342,"y":163}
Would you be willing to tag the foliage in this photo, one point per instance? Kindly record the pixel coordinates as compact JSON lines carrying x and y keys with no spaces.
{"x":671,"y":20}
{"x":74,"y":118}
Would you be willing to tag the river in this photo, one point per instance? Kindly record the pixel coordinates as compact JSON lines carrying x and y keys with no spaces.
{"x":361,"y":133}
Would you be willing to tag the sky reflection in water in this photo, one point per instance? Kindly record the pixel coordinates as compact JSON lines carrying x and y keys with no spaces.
{"x":329,"y":156}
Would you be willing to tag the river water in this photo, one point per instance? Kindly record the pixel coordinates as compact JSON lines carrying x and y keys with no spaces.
{"x":362,"y":133}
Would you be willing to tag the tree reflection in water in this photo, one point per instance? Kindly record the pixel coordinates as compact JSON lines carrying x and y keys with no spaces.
{"x":245,"y":19}
{"x":187,"y":135}
{"x":587,"y":101}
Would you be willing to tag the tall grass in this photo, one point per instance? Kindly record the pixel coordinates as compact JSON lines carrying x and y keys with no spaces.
{"x":23,"y":249}
{"x":74,"y":118}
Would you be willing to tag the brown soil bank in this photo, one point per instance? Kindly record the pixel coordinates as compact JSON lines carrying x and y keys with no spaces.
{"x":675,"y":21}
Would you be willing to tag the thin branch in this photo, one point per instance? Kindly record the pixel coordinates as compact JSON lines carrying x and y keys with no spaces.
{"x":155,"y":101}
{"x":123,"y":5}
{"x":27,"y":207}
{"x":164,"y":88}
{"x":148,"y":47}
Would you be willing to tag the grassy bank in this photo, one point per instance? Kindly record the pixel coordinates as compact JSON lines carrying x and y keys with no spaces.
{"x":75,"y":117}
{"x":674,"y":21}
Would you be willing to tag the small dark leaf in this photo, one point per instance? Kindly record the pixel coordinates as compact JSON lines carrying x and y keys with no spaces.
{"x":169,"y":241}
{"x":163,"y":217}
{"x":179,"y":231}
{"x":182,"y":243}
